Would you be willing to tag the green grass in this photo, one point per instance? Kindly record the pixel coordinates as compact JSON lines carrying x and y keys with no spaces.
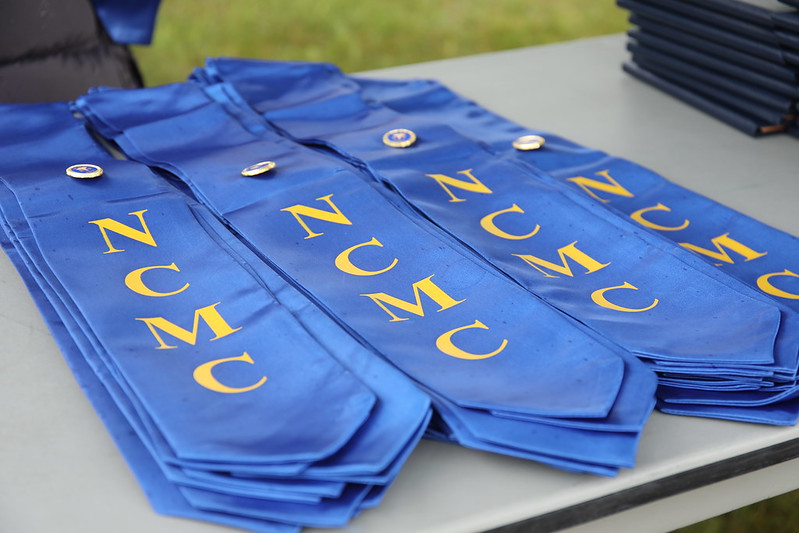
{"x":777,"y":515}
{"x":363,"y":35}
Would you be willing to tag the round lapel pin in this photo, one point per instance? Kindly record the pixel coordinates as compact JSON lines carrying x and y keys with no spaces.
{"x":399,"y":138}
{"x":85,"y":170}
{"x":529,"y":142}
{"x":258,"y":168}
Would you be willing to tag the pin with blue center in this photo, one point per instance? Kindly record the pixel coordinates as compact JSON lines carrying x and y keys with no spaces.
{"x":84,"y":171}
{"x":258,"y":168}
{"x":399,"y":138}
{"x":529,"y":142}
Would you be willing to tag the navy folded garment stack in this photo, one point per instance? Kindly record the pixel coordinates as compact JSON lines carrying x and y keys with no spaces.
{"x":736,"y":60}
{"x":339,"y":113}
{"x":232,"y":398}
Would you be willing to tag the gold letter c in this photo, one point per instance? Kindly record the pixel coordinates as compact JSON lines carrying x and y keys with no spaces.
{"x":598,"y":296}
{"x":638,"y":216}
{"x":765,"y":285}
{"x":203,"y":375}
{"x":344,"y":264}
{"x":487,"y":223}
{"x":134,"y":282}
{"x":444,"y":343}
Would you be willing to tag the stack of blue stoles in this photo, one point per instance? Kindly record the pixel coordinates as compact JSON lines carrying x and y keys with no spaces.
{"x":264,"y":278}
{"x":736,"y":60}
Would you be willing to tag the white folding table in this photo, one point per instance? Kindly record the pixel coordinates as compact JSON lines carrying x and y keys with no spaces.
{"x":59,"y":470}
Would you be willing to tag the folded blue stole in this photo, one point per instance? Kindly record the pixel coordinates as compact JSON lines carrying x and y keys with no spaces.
{"x":163,"y":495}
{"x":699,"y":225}
{"x":374,"y":261}
{"x":559,"y":157}
{"x":358,"y":449}
{"x":759,"y":255}
{"x":716,"y":233}
{"x":128,"y":21}
{"x":274,"y":99}
{"x":621,"y":281}
{"x":143,"y":313}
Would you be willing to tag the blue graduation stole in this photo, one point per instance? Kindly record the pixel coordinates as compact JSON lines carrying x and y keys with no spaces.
{"x":234,"y":312}
{"x":164,"y":496}
{"x":332,"y":113}
{"x":714,"y":232}
{"x":467,"y":335}
{"x":761,"y":256}
{"x":198,"y":414}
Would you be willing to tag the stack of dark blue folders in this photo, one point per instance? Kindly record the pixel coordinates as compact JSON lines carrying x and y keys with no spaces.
{"x":786,"y":28}
{"x":736,"y":60}
{"x":572,"y":236}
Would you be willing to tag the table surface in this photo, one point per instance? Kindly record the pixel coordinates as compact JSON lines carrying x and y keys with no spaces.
{"x":59,"y":470}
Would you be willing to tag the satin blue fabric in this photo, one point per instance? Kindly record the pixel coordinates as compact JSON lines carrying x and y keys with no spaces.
{"x":164,"y":496}
{"x":213,"y":174}
{"x":170,"y":396}
{"x":345,"y":122}
{"x":640,"y":188}
{"x":128,"y":21}
{"x":428,"y":102}
{"x":355,"y":436}
{"x":207,"y":146}
{"x":567,"y":160}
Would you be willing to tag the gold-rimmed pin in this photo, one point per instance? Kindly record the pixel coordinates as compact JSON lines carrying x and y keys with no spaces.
{"x":399,"y":138}
{"x":84,"y":171}
{"x":529,"y":142}
{"x":258,"y":168}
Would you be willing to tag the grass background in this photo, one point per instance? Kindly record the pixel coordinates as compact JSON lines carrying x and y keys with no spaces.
{"x":363,"y":35}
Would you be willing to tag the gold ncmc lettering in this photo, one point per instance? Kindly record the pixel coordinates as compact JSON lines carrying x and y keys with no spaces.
{"x":335,"y":216}
{"x":764,"y":284}
{"x":344,"y":264}
{"x":109,"y":224}
{"x":203,"y":375}
{"x":209,"y":314}
{"x":569,"y":251}
{"x":721,"y":242}
{"x":598,"y":297}
{"x":487,"y":223}
{"x":425,"y":286}
{"x":444,"y":343}
{"x":610,"y":186}
{"x":638,"y":216}
{"x":474,"y":185}
{"x":134,"y":282}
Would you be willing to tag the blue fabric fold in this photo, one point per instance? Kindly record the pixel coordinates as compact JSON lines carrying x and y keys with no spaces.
{"x":310,"y":195}
{"x":339,"y":113}
{"x":54,"y":240}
